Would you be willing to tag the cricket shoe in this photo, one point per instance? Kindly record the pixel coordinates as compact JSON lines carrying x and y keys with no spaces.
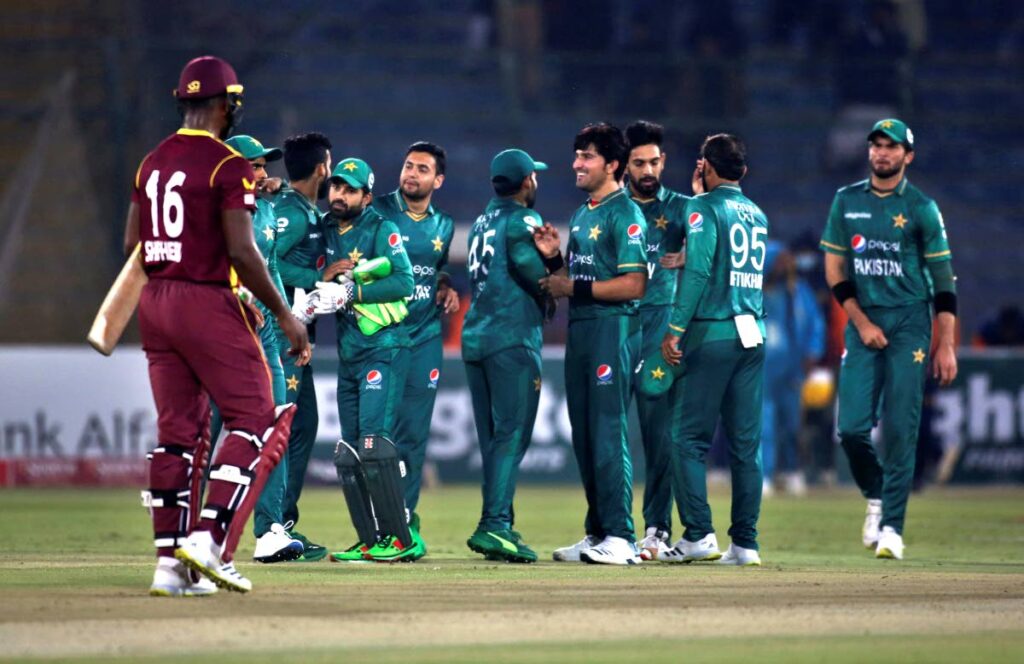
{"x":653,"y":544}
{"x":501,"y":544}
{"x":354,"y":554}
{"x":173,"y":579}
{"x":390,"y":549}
{"x":275,"y":546}
{"x":612,"y":551}
{"x":310,"y":552}
{"x":417,"y":538}
{"x":686,"y":551}
{"x":200,"y":554}
{"x":890,"y":544}
{"x":872,"y":520}
{"x":571,"y":554}
{"x":741,"y":557}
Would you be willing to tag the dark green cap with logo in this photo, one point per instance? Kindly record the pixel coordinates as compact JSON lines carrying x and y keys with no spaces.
{"x":514,"y":166}
{"x":355,"y":172}
{"x":251,"y":149}
{"x":895,"y":129}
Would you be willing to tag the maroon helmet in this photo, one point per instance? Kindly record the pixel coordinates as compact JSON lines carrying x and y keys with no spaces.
{"x":209,"y":76}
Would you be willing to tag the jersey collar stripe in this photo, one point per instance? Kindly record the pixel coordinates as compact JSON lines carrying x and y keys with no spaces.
{"x":196,"y":132}
{"x":217,"y":167}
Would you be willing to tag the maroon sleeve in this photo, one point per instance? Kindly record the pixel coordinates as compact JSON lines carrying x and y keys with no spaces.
{"x":235,"y":184}
{"x":137,"y":183}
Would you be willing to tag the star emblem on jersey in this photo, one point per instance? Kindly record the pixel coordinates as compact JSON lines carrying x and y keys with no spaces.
{"x":899,"y":221}
{"x":919,"y":356}
{"x":268,"y":233}
{"x":355,"y":255}
{"x":438,"y":243}
{"x":293,"y":383}
{"x":657,"y":374}
{"x":595,"y":232}
{"x":661,"y":222}
{"x":350,"y":166}
{"x":536,"y":384}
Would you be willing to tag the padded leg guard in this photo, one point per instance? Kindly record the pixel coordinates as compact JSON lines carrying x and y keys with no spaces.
{"x":273,"y":447}
{"x":353,"y":485}
{"x":385,"y":480}
{"x":173,"y":472}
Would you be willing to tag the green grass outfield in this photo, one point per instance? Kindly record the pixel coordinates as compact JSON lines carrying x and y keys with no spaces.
{"x":75,"y":567}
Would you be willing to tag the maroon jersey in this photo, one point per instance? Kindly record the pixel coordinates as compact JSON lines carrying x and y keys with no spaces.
{"x":181,"y":189}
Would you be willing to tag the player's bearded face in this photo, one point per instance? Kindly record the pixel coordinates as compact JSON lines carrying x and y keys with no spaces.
{"x":531,"y":195}
{"x":419,"y":176}
{"x":645,"y":165}
{"x":347,"y":203}
{"x":887,"y":158}
{"x":259,"y":168}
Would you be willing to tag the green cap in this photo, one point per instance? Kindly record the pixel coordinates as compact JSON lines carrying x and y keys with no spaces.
{"x":514,"y":166}
{"x":354,"y":171}
{"x":895,"y":129}
{"x":251,"y":149}
{"x":657,"y":375}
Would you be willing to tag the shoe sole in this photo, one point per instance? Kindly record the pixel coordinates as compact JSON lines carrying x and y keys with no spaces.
{"x":627,"y":563}
{"x":499,"y":556}
{"x":284,"y":555}
{"x":887,"y":554}
{"x":211,"y":574}
{"x":710,"y":558}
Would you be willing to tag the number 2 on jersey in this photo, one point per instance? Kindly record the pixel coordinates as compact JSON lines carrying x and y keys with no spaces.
{"x":173,"y":207}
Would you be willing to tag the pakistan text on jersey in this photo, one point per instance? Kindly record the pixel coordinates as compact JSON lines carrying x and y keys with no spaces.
{"x":877,"y":267}
{"x":158,"y":251}
{"x":746,"y":211}
{"x":745,"y":279}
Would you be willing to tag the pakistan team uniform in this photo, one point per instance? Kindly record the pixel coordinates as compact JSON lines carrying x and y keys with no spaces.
{"x":606,"y":239}
{"x":665,"y":215}
{"x":427,"y":239}
{"x":718,"y":314}
{"x":890,"y":242}
{"x":501,"y":342}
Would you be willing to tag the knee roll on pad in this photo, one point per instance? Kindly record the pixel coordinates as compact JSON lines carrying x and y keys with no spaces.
{"x":357,"y":496}
{"x":384,"y":480}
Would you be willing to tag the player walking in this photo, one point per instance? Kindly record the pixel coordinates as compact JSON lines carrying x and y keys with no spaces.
{"x":887,"y":259}
{"x":717,"y":331}
{"x":605,"y":276}
{"x":190,"y":209}
{"x":427,"y":235}
{"x":501,"y":342}
{"x":665,"y":212}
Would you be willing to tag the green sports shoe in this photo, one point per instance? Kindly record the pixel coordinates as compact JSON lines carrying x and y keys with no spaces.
{"x":501,"y":545}
{"x":310,"y":552}
{"x":417,"y":539}
{"x":390,"y":550}
{"x":353,"y":554}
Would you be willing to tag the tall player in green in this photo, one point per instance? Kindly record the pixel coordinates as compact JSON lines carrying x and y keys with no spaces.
{"x":888,"y":263}
{"x":717,"y":331}
{"x":606,"y":275}
{"x":501,"y":342}
{"x":301,"y":259}
{"x":371,"y":367}
{"x":665,"y":213}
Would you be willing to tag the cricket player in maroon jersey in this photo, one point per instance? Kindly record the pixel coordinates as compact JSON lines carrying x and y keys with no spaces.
{"x":190,"y":210}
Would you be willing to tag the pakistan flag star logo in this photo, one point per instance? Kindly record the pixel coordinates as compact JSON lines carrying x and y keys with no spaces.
{"x":293,"y":383}
{"x":661,"y":222}
{"x":919,"y":356}
{"x":899,"y":221}
{"x":268,"y":233}
{"x":355,"y":255}
{"x":657,"y":374}
{"x":438,"y":243}
{"x":595,"y":232}
{"x":536,"y":384}
{"x":350,"y":166}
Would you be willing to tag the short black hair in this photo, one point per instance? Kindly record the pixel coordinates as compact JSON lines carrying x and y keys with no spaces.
{"x":186,"y":105}
{"x":434,"y":150}
{"x":608,"y":141}
{"x":303,"y":153}
{"x":504,"y":187}
{"x":727,"y":154}
{"x":643,"y":132}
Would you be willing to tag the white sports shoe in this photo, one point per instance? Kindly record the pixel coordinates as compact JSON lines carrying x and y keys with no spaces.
{"x":796,"y":483}
{"x":202,"y":555}
{"x":737,"y":555}
{"x":686,"y":551}
{"x":890,"y":544}
{"x":571,"y":554}
{"x":276,"y":546}
{"x":767,"y":488}
{"x":612,"y":551}
{"x":872,"y":519}
{"x":653,"y":544}
{"x":173,"y":579}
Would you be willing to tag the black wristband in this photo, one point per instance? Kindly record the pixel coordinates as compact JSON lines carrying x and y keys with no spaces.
{"x":844,"y":290}
{"x":582,"y":291}
{"x":945,"y":301}
{"x":555,"y":263}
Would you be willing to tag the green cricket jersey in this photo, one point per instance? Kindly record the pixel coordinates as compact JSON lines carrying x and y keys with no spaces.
{"x":666,"y":218}
{"x":368,"y":236}
{"x":887,"y":241}
{"x":264,"y":227}
{"x":506,"y":309}
{"x":725,"y":251}
{"x":606,"y":240}
{"x":427,"y":239}
{"x":300,"y":242}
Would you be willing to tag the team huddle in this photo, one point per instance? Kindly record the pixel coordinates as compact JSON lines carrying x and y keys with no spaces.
{"x":665,"y":306}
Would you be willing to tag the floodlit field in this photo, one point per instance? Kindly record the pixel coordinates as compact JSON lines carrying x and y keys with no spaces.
{"x":75,"y":567}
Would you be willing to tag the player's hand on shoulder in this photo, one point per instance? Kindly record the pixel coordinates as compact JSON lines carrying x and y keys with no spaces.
{"x":547,"y":241}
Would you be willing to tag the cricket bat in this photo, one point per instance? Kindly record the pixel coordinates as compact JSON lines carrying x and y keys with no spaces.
{"x":118,"y":306}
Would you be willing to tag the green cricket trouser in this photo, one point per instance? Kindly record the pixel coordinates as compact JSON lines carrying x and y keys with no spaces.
{"x":654,"y":421}
{"x":370,"y":392}
{"x":505,"y":388}
{"x":721,"y":378}
{"x":600,"y":356}
{"x":299,"y":389}
{"x":268,"y":506}
{"x":892,"y":378}
{"x":412,"y":427}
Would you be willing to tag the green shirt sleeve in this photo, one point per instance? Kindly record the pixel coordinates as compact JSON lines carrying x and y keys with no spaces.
{"x":833,"y":240}
{"x":397,"y":285}
{"x":934,"y":242}
{"x":701,"y":244}
{"x":522,"y":253}
{"x":448,"y":234}
{"x":631,"y":255}
{"x":291,"y":230}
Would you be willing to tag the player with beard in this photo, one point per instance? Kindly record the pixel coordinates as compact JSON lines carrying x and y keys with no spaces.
{"x":888,"y":263}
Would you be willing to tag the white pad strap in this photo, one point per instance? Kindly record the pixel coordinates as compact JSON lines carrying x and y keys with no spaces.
{"x":233,"y":474}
